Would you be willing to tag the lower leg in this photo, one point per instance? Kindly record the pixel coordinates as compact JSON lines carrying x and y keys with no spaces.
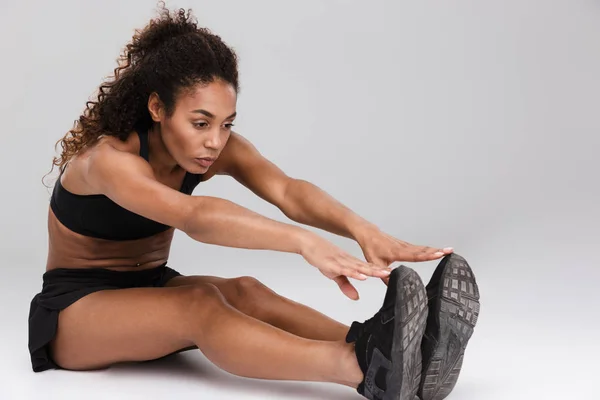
{"x":248,"y":347}
{"x":300,"y":319}
{"x":251,"y":297}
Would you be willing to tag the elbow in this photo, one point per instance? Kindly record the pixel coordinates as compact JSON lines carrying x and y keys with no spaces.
{"x":204,"y":214}
{"x":192,"y":224}
{"x":290,"y":203}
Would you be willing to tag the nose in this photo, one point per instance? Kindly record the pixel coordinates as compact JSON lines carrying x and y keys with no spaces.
{"x":214,"y":140}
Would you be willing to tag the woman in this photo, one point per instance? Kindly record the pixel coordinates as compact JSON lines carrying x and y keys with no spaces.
{"x":127,"y":171}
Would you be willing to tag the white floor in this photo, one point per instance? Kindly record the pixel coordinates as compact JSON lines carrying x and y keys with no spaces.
{"x":531,"y":342}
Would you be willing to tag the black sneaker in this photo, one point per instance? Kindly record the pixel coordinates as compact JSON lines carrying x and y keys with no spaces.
{"x":453,"y":310}
{"x":388,"y":345}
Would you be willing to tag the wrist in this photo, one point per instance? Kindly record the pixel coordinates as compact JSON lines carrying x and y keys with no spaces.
{"x":305,"y":240}
{"x":362,"y":230}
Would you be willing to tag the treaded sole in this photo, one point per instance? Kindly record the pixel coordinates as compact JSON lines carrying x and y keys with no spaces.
{"x":410,"y":320}
{"x":458,"y":302}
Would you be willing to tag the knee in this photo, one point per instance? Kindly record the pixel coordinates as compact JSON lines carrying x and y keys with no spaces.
{"x":248,"y":287}
{"x":250,"y":292}
{"x":202,"y":298}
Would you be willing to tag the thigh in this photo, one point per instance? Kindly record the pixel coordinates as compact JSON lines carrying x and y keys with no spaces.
{"x":136,"y":324}
{"x":184,"y":280}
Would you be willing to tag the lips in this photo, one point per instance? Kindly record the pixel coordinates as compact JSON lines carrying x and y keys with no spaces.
{"x":205,"y":162}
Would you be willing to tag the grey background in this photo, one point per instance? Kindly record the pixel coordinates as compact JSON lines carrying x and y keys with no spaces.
{"x":471,"y":124}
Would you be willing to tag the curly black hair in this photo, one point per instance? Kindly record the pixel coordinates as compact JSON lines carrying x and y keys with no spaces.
{"x":170,"y":54}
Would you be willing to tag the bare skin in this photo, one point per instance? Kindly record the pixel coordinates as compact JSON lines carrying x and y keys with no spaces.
{"x":93,"y":334}
{"x":69,"y":249}
{"x":283,"y":339}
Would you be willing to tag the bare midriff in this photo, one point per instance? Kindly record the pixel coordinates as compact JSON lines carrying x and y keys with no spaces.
{"x":68,"y":249}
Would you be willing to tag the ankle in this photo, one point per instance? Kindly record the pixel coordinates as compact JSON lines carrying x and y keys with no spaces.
{"x":348,"y":370}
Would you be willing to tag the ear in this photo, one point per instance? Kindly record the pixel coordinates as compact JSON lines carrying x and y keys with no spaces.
{"x":155,"y":107}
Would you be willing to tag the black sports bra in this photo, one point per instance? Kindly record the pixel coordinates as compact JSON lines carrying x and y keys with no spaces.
{"x":98,"y":216}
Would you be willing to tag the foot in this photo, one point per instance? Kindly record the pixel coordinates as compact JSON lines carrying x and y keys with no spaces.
{"x":453,"y":310}
{"x":388,"y":345}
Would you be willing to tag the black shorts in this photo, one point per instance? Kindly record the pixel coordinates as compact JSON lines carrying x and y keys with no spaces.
{"x":63,"y":287}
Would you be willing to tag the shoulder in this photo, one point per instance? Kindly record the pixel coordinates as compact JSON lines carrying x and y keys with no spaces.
{"x":107,"y":145}
{"x":110,"y":154}
{"x":111,"y":143}
{"x":105,"y":151}
{"x":116,"y":170}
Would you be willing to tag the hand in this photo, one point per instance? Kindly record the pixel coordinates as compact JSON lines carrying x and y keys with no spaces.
{"x":382,"y":249}
{"x":338,"y":265}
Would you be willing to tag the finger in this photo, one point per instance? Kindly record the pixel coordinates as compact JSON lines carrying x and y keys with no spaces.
{"x":369,"y":267}
{"x":353,"y":273}
{"x":373,"y":270}
{"x":352,"y":269}
{"x":428,"y":249}
{"x":346,"y":287}
{"x":445,"y":250}
{"x":386,"y":280}
{"x":427,"y":253}
{"x":429,"y":256}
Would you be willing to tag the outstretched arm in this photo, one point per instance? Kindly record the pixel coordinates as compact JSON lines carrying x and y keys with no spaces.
{"x":299,"y":200}
{"x":305,"y":203}
{"x":129,"y":181}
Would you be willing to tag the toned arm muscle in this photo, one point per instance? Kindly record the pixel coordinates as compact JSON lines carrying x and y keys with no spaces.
{"x":128,"y":180}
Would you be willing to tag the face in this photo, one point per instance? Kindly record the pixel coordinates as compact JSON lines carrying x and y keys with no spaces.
{"x":200,"y":125}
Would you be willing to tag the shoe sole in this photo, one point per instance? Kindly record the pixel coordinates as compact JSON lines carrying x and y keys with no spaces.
{"x":409,"y":326}
{"x":456,"y":308}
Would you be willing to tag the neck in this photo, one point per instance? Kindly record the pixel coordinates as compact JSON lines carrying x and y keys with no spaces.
{"x":158,"y":155}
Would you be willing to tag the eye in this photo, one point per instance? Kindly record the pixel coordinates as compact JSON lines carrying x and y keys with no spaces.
{"x":200,"y":124}
{"x":229,"y":126}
